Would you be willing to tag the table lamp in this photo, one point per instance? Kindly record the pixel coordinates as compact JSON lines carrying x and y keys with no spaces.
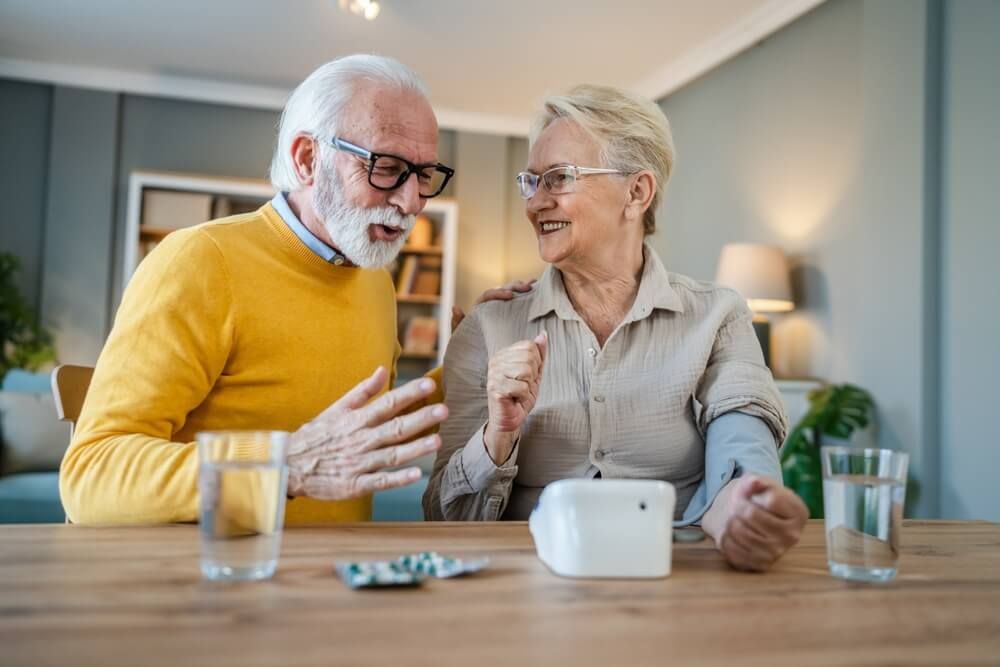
{"x":760,"y":274}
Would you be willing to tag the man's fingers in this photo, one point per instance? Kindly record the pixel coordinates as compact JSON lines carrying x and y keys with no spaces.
{"x":495,"y":294}
{"x":362,"y":392}
{"x":404,"y":427}
{"x":397,"y":455}
{"x":384,"y":480}
{"x":336,"y":487}
{"x":393,"y":402}
{"x":457,"y":315}
{"x":506,"y":292}
{"x":502,"y":293}
{"x":521,"y":285}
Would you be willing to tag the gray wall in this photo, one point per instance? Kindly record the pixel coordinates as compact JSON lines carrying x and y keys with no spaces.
{"x":496,"y":242}
{"x":826,"y":140}
{"x":482,"y":210}
{"x":78,"y":221}
{"x":770,"y":149}
{"x":24,"y":154}
{"x":971,"y":242}
{"x":59,"y":151}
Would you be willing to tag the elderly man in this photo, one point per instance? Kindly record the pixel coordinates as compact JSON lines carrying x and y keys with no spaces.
{"x":276,"y":320}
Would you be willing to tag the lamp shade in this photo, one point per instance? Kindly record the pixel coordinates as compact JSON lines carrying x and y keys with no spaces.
{"x":759,"y":273}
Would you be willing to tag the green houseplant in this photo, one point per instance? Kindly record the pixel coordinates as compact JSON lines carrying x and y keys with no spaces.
{"x":24,"y":343}
{"x":835,"y":411}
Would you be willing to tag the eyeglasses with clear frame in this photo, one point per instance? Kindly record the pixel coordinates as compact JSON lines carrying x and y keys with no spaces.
{"x":388,"y":172}
{"x":558,"y":180}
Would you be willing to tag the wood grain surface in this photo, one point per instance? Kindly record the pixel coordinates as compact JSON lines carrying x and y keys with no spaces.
{"x":71,"y":595}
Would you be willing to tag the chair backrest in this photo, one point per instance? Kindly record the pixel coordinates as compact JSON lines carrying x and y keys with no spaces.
{"x":69,"y":387}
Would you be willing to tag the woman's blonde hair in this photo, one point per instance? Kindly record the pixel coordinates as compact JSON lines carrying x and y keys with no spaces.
{"x":631,"y":130}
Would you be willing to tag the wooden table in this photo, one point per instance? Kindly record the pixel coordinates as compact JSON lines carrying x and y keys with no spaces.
{"x":74,"y":596}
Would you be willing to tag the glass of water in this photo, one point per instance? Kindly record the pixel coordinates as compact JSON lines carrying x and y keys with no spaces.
{"x":863,"y":492}
{"x":242,"y":479}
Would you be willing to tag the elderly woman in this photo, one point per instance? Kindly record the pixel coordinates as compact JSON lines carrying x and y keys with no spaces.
{"x":613,"y":367}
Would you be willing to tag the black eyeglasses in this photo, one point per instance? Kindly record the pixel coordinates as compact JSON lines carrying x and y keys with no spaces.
{"x":388,"y":172}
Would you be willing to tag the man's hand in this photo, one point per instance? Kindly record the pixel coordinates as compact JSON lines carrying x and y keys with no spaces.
{"x":512,"y":382}
{"x":503,"y":293}
{"x":754,"y":521}
{"x":341,"y":453}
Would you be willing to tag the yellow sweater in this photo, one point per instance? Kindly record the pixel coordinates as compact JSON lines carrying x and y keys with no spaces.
{"x":233,"y":324}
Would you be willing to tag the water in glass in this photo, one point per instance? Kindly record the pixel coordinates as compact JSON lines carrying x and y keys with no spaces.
{"x":864,"y":516}
{"x":242,"y":482}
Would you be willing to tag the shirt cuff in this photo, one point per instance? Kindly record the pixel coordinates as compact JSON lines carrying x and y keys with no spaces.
{"x":479,"y":469}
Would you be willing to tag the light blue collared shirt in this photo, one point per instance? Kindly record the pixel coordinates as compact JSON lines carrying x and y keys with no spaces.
{"x":280,"y":204}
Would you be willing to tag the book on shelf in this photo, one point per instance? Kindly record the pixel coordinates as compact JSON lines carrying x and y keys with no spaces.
{"x":407,"y":273}
{"x":223,"y":207}
{"x":430,"y":262}
{"x":428,"y":279}
{"x":421,"y":336}
{"x":422,"y":234}
{"x":427,"y":283}
{"x":169,"y":209}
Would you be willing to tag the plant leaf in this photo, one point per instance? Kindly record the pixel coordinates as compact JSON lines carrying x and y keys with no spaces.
{"x":834,"y":411}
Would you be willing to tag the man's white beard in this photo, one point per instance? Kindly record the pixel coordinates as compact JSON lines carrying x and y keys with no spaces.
{"x":348,"y":225}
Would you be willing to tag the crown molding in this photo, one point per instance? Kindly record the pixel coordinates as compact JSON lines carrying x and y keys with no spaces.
{"x":145,"y":83}
{"x":758,"y":25}
{"x":220,"y":92}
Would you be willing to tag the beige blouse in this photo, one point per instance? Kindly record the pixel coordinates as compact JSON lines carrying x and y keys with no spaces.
{"x":639,"y":408}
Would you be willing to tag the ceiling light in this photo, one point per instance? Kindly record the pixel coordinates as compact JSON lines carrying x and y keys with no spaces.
{"x":367,"y":8}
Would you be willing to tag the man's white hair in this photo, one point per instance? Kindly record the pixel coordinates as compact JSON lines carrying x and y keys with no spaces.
{"x":315,"y":106}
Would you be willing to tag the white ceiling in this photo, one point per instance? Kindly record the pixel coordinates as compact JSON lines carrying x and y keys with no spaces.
{"x":487,"y":62}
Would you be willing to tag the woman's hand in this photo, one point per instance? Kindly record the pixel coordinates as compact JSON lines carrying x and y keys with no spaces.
{"x":515,"y":373}
{"x":754,"y":521}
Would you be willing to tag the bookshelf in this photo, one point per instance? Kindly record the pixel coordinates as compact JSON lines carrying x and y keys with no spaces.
{"x":429,"y":299}
{"x":424,"y":275}
{"x":162,"y":202}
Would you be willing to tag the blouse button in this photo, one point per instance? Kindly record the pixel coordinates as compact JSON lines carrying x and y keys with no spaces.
{"x":599,"y":398}
{"x":592,"y":352}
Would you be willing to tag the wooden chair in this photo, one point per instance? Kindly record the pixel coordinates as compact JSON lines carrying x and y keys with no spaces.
{"x":69,"y":387}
